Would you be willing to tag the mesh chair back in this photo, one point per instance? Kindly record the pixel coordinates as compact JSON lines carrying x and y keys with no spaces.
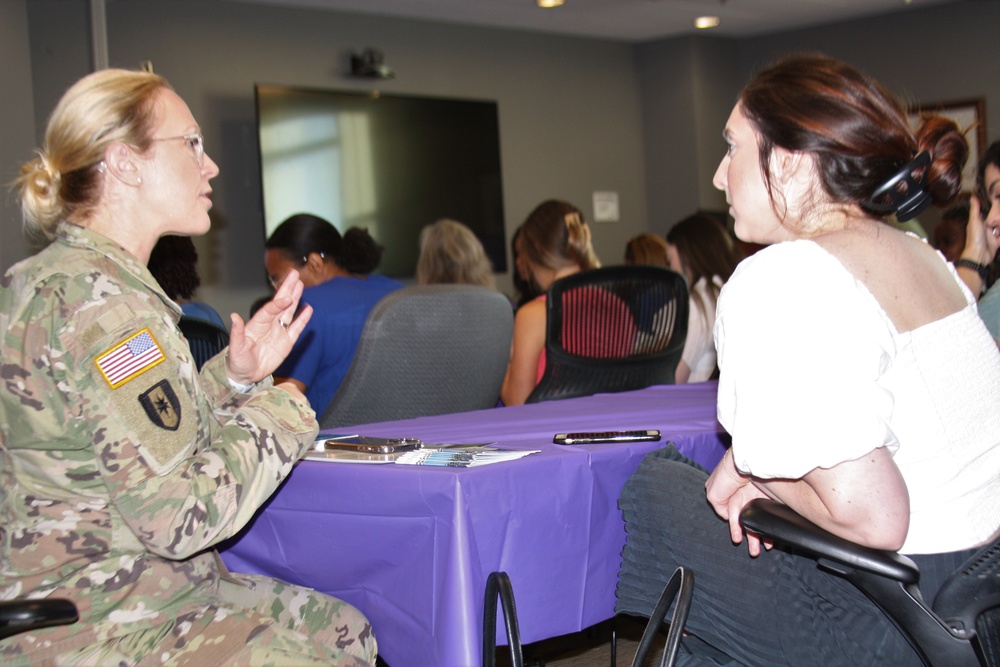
{"x":426,"y":350}
{"x":613,"y":329}
{"x":970,"y":599}
{"x":206,"y":339}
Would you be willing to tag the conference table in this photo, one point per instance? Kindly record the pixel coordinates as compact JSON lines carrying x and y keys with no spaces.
{"x":412,"y":546}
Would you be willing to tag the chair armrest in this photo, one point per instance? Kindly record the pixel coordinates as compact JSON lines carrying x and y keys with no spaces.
{"x":781,"y":524}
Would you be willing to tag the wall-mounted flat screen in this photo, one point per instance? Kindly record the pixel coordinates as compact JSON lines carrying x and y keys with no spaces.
{"x":388,"y":163}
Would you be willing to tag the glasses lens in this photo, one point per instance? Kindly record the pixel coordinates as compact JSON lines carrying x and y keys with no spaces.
{"x":198,"y":143}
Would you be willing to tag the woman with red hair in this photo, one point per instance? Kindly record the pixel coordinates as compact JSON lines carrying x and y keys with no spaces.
{"x":853,"y":362}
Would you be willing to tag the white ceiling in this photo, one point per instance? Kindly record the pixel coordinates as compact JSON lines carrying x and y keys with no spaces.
{"x":626,"y":20}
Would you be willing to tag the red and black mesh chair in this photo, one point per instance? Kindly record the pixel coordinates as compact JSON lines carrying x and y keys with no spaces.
{"x":612,"y":329}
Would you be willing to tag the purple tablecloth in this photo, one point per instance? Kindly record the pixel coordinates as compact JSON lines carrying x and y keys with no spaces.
{"x":412,"y":546}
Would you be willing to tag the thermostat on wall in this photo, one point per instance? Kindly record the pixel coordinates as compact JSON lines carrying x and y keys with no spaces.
{"x":606,"y":206}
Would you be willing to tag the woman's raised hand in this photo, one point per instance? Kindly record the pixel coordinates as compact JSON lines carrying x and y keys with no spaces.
{"x":258,"y":346}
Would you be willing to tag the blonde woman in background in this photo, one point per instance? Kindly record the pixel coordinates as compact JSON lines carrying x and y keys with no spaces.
{"x":646,"y":249}
{"x":554,"y":243}
{"x":700,"y":249}
{"x":451,"y":254}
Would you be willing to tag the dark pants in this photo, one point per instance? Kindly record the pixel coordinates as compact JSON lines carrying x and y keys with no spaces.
{"x":776,"y":609}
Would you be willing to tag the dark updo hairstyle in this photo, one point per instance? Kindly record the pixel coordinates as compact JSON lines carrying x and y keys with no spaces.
{"x":857,"y":132}
{"x":556,"y":236}
{"x":303,"y":234}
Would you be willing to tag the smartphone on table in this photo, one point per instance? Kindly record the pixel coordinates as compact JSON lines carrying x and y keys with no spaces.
{"x":594,"y":437}
{"x":362,"y":443}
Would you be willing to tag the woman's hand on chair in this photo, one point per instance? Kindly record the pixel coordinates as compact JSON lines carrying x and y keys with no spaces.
{"x":728,"y":491}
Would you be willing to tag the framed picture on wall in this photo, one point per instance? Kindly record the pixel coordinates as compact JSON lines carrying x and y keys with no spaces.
{"x":970,"y":116}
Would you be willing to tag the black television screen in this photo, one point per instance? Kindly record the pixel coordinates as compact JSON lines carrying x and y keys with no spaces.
{"x":388,"y":163}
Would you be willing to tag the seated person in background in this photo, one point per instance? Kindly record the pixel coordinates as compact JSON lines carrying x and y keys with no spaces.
{"x":525,"y":290}
{"x":174,"y":264}
{"x":647,"y":249}
{"x":336,"y":272}
{"x":450,"y":253}
{"x":555,"y":242}
{"x":700,"y":249}
{"x":949,"y":235}
{"x":982,"y":239}
{"x":119,"y":479}
{"x":853,"y":363}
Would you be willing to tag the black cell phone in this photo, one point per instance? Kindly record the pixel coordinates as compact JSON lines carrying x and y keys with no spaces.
{"x":592,"y":437}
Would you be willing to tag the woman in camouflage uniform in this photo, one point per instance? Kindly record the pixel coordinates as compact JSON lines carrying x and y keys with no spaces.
{"x":122,"y":466}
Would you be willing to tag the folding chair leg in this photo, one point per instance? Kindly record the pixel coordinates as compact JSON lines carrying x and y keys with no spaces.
{"x":498,"y":583}
{"x":614,"y":641}
{"x":681,"y":586}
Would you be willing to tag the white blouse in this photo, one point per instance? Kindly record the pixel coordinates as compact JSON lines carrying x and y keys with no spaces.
{"x":813,"y":373}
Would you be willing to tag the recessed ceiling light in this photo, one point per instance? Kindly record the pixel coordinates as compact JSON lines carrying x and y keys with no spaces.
{"x":703,"y":22}
{"x":547,"y":4}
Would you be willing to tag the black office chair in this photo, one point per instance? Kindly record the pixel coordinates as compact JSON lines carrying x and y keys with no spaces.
{"x":612,"y":329}
{"x":426,"y":350}
{"x":206,"y":339}
{"x":23,"y":615}
{"x":962,"y":626}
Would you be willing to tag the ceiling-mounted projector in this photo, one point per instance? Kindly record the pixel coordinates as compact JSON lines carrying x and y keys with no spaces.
{"x":370,"y":64}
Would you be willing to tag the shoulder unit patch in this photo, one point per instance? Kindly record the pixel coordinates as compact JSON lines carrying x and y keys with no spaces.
{"x":161,"y":405}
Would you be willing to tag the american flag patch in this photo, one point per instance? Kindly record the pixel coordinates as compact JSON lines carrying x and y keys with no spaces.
{"x":129,"y":358}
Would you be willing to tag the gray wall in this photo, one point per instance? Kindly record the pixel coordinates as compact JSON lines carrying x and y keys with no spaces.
{"x":576,"y":115}
{"x":932,"y":54}
{"x":17,"y":129}
{"x":926,"y":55}
{"x":569,"y":108}
{"x":688,"y":86}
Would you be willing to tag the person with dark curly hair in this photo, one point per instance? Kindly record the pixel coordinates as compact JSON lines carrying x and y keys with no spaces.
{"x":857,"y":381}
{"x":337,"y":273}
{"x":174,"y":264}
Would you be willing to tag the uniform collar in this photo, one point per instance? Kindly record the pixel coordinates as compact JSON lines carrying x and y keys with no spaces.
{"x":82,"y":237}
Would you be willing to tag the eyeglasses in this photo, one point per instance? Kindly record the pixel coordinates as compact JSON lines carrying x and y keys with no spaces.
{"x":277,"y":280}
{"x":195,"y":141}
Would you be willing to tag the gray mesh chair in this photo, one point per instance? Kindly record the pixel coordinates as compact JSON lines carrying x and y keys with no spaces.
{"x":426,"y":350}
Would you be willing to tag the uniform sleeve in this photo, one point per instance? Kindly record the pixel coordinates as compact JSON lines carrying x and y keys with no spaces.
{"x":186,"y":459}
{"x":801,"y":346}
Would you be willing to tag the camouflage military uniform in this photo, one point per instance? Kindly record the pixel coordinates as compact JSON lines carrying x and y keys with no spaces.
{"x":121,"y":466}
